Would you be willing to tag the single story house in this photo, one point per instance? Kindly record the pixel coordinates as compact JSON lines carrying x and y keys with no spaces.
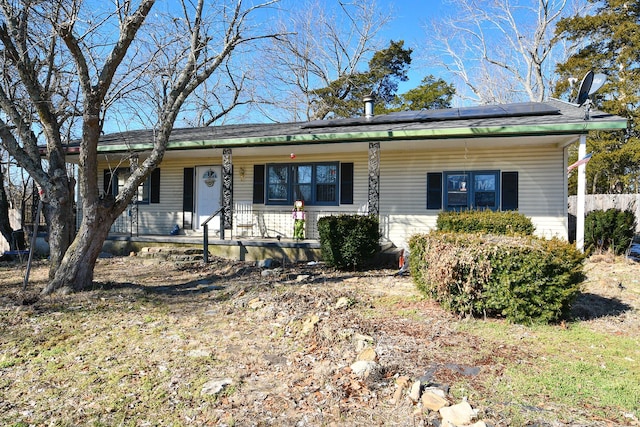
{"x":404,"y":167}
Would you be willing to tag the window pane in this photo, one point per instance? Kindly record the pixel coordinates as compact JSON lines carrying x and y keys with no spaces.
{"x":326,"y":174}
{"x":485,"y":182}
{"x":277,"y":192}
{"x":277,"y":186}
{"x":457,"y":194}
{"x":277,"y":174}
{"x":302,"y":192}
{"x":143,"y":189}
{"x":302,"y":174}
{"x":325,"y":193}
{"x":485,"y":190}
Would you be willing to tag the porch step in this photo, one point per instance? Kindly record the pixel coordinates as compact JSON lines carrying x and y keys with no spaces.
{"x":171,"y":253}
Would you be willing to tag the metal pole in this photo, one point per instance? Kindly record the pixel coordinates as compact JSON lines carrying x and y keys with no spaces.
{"x":36,"y":222}
{"x":582,"y":185}
{"x":205,"y":244}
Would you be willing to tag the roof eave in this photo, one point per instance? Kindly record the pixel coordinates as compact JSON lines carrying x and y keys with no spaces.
{"x":385,"y":135}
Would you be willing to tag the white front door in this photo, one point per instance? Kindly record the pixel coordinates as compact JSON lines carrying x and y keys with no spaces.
{"x":208,"y":195}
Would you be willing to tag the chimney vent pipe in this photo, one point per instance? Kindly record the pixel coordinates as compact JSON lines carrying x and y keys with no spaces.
{"x":368,"y":106}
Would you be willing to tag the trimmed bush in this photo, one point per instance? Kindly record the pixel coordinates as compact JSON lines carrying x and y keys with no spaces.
{"x":612,"y":229}
{"x":522,"y":278}
{"x":348,"y":241}
{"x":485,"y":221}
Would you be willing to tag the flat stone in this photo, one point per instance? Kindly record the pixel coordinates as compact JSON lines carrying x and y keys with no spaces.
{"x":368,"y":354}
{"x":437,"y":391}
{"x":364,"y":368}
{"x":343,"y":302}
{"x":214,"y":387}
{"x":256,"y":303}
{"x":309,"y":323}
{"x":402,"y":381}
{"x":362,"y":341}
{"x":414,"y":394}
{"x":302,"y":277}
{"x":199,"y":353}
{"x":433,"y":401}
{"x":266,"y":263}
{"x":460,"y":414}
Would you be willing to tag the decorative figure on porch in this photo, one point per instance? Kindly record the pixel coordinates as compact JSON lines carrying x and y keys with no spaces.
{"x":298,"y":220}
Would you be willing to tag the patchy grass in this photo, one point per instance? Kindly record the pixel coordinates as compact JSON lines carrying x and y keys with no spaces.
{"x":139,"y":348}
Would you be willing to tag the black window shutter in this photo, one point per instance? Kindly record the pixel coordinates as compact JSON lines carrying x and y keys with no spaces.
{"x":509,"y":191}
{"x":107,"y":182}
{"x":154,"y":197}
{"x":346,"y":183}
{"x":434,"y":190}
{"x":187,"y":190}
{"x":258,"y":183}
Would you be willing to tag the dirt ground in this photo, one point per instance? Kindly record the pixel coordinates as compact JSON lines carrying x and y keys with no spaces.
{"x":230,"y":343}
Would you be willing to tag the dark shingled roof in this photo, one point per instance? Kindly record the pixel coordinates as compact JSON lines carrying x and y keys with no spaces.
{"x":552,"y":115}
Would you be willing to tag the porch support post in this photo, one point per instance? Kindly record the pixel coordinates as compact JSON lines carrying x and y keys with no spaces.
{"x":133,"y":166}
{"x":227,"y":191}
{"x":582,"y":185}
{"x":374,"y":178}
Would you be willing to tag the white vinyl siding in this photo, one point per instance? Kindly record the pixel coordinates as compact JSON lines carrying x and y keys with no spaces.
{"x":160,"y":218}
{"x":403,"y":187}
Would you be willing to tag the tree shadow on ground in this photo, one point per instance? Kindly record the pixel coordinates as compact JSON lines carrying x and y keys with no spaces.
{"x":590,"y":306}
{"x":179,"y":289}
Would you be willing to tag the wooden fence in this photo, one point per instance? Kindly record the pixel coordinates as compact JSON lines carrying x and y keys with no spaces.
{"x":603,"y":202}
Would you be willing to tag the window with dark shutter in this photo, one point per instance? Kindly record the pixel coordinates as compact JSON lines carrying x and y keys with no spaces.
{"x":509,"y":191}
{"x":434,"y":190}
{"x":258,"y":183}
{"x":187,"y":190}
{"x":155,"y":186}
{"x":187,"y":198}
{"x":346,"y":183}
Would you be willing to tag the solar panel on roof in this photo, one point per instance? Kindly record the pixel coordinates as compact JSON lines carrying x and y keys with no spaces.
{"x":462,"y":113}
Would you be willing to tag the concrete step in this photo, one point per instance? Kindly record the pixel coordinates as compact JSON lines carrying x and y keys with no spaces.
{"x":171,"y":253}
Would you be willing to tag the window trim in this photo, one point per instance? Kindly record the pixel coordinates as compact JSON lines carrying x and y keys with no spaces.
{"x":470,"y":190}
{"x":112,"y":185}
{"x":290,"y":184}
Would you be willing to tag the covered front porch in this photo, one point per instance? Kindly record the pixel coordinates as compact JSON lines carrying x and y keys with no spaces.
{"x":255,"y":235}
{"x":285,"y":251}
{"x":247,"y":222}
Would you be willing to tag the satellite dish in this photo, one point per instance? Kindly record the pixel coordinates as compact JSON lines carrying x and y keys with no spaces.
{"x":589,"y":85}
{"x":598,"y":81}
{"x":584,"y":89}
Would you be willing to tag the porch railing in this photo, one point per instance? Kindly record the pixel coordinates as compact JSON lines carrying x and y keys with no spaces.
{"x":275,"y":223}
{"x":248,"y":222}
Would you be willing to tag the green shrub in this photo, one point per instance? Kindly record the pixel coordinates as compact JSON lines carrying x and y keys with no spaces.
{"x":348,"y":241}
{"x":611,"y":229}
{"x":522,"y":278}
{"x":485,"y":221}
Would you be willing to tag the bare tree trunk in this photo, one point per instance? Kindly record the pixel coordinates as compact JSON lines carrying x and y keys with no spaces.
{"x":60,"y":215}
{"x":75,"y":271}
{"x":5,"y":226}
{"x":66,"y":101}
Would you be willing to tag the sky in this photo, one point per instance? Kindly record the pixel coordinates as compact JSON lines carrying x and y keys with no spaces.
{"x":408,"y":24}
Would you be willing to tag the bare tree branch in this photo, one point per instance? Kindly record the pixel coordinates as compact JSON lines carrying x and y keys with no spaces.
{"x":504,"y":51}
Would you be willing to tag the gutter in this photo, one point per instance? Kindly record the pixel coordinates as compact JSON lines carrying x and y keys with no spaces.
{"x":388,"y":135}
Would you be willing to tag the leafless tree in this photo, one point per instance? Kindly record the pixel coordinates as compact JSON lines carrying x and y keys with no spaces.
{"x":103,"y":53}
{"x":500,"y":50}
{"x":324,"y":44}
